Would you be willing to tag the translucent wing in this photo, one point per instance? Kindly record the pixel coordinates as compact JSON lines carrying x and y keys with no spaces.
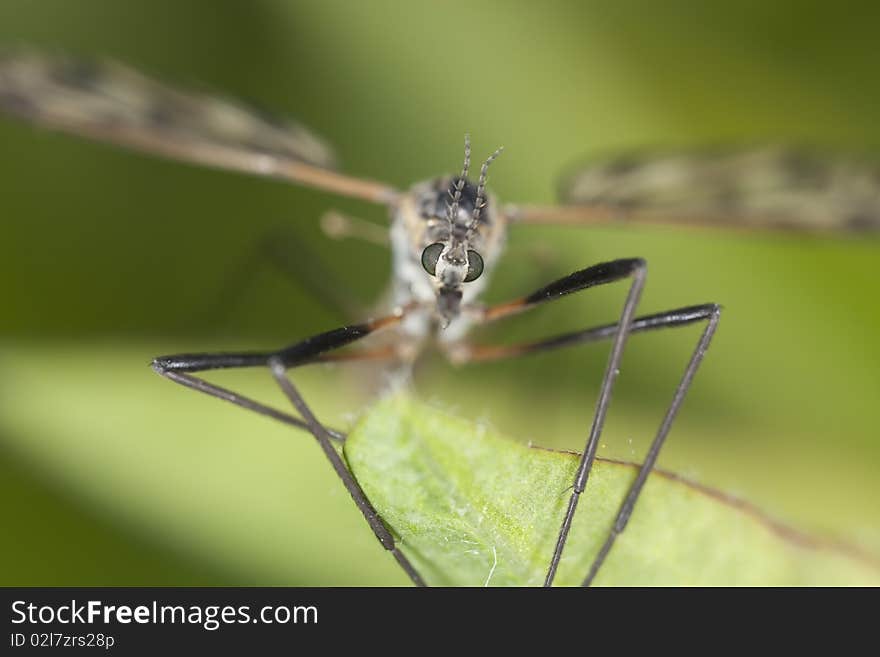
{"x":110,"y":102}
{"x":771,"y":187}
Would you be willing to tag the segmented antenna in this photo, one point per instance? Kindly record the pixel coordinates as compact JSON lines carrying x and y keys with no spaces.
{"x":452,"y":208}
{"x":481,"y":188}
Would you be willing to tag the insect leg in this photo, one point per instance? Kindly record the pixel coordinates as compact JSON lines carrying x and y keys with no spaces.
{"x":607,"y":272}
{"x":279,"y":371}
{"x":179,"y":368}
{"x":709,"y":313}
{"x":462,"y":353}
{"x":284,"y":250}
{"x":635,"y":490}
{"x":337,"y":226}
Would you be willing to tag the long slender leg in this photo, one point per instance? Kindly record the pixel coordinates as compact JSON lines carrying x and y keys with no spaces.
{"x":284,"y":250}
{"x":461,"y":353}
{"x":179,"y":368}
{"x":599,"y":274}
{"x":354,"y":489}
{"x":632,"y":496}
{"x":709,"y":313}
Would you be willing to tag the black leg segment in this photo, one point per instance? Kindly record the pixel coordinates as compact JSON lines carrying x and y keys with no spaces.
{"x":632,"y":496}
{"x":634,"y":268}
{"x":179,"y":368}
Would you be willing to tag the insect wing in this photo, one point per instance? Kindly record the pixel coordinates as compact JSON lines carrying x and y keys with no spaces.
{"x":110,"y":102}
{"x":770,"y":187}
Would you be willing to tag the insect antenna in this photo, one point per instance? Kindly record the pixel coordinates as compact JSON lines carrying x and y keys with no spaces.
{"x":452,"y":208}
{"x":480,"y":203}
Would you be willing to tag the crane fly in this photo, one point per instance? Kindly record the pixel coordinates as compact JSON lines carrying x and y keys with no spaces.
{"x":446,"y":235}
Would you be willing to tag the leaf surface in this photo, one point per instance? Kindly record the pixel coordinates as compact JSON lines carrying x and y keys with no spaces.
{"x":473,"y":508}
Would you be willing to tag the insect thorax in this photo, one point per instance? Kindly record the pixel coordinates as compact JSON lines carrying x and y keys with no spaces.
{"x":420,"y":219}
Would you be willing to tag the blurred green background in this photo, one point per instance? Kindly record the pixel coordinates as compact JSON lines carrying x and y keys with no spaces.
{"x":111,"y":475}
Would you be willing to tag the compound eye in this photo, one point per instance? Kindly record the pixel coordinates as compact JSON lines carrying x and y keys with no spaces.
{"x":475,"y":266}
{"x":430,"y":256}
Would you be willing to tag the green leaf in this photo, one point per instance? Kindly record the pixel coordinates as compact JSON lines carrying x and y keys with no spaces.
{"x":473,"y":508}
